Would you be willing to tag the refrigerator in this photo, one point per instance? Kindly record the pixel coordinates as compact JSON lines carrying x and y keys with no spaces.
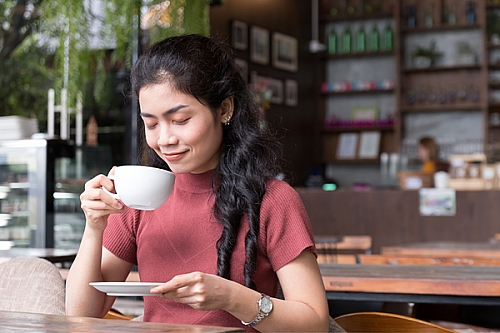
{"x":40,"y":185}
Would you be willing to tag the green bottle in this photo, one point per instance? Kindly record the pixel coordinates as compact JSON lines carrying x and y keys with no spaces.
{"x":374,"y":39}
{"x":347,"y":41}
{"x":388,"y":38}
{"x":332,"y":42}
{"x":361,"y":40}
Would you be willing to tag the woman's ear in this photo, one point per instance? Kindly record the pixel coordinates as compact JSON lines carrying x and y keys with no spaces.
{"x":227,"y":109}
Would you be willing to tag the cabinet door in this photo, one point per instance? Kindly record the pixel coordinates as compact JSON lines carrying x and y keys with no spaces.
{"x":22,"y":193}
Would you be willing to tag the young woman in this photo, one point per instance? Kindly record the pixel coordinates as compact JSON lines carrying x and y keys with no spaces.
{"x":429,"y":154}
{"x":229,"y":233}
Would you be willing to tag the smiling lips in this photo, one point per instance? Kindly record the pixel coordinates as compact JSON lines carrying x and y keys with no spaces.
{"x":173,"y":156}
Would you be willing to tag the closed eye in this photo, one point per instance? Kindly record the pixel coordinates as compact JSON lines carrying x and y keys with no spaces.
{"x":181,"y":122}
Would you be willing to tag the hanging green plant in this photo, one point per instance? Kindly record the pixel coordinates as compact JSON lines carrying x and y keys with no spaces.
{"x":122,"y":26}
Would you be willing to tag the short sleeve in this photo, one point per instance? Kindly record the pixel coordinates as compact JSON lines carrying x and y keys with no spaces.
{"x":285,"y":226}
{"x":120,"y":235}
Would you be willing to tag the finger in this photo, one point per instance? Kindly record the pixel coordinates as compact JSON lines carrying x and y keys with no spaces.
{"x":112,"y":171}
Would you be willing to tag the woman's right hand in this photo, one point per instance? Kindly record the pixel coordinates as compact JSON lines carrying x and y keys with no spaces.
{"x":97,"y":204}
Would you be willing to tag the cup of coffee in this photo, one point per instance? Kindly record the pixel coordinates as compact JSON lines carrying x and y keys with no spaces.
{"x":142,"y":187}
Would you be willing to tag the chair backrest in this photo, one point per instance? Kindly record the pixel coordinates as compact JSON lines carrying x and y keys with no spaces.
{"x":342,"y":249}
{"x":380,"y":322}
{"x":31,"y":285}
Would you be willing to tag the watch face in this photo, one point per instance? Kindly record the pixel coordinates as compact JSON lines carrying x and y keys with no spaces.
{"x":266,"y":305}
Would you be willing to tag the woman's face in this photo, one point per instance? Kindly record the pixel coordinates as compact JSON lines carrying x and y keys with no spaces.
{"x":182,"y":131}
{"x":423,"y":153}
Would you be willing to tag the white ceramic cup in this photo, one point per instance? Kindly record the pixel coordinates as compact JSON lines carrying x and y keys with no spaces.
{"x":441,"y":179}
{"x":142,"y":187}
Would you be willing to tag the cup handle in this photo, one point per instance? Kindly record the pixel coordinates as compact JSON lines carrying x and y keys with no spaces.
{"x":114,"y":195}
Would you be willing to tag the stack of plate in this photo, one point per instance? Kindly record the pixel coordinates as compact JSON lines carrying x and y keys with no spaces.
{"x":16,"y":127}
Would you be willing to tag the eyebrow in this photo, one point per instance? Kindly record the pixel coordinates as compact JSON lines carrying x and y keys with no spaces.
{"x":172,"y":110}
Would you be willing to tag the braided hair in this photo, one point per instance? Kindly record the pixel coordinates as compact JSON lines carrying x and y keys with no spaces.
{"x":250,"y":154}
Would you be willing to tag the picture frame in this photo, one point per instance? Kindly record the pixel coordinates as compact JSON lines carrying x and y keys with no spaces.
{"x":291,"y":92}
{"x":346,"y":147}
{"x":259,"y":45}
{"x":365,"y":113}
{"x":369,"y":145}
{"x":239,"y":35}
{"x":276,"y":87}
{"x":243,"y":65}
{"x":285,"y":52}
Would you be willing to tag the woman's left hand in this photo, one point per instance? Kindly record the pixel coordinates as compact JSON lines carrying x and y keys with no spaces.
{"x":199,"y":290}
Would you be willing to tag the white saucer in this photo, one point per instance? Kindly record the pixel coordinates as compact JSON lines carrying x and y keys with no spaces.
{"x":126,"y":288}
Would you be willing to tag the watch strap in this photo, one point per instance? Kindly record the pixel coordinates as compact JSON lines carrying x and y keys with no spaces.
{"x":260,"y":315}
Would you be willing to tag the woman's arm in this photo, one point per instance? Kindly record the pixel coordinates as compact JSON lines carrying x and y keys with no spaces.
{"x":305,"y":308}
{"x":93,"y":263}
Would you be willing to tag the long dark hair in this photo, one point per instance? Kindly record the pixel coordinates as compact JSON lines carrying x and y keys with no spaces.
{"x":250,"y":155}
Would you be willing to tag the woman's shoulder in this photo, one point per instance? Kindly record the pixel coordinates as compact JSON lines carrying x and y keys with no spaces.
{"x":280,"y":190}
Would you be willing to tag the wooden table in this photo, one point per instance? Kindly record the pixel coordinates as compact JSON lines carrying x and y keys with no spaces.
{"x":471,"y":285}
{"x":30,"y":322}
{"x":52,"y":255}
{"x":446,"y":250}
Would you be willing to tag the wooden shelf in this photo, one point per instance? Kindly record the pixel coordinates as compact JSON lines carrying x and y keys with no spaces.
{"x":356,"y":92}
{"x":441,"y":108}
{"x":343,"y":129}
{"x":354,"y":161}
{"x":441,"y":28}
{"x":357,"y":55}
{"x":355,"y":17}
{"x":432,"y":69}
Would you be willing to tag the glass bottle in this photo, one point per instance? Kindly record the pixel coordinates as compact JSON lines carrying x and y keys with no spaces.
{"x":470,"y":12}
{"x":374,"y":39}
{"x":421,"y":95}
{"x":361,"y":40}
{"x":347,"y":41}
{"x":332,"y":42}
{"x":442,"y":97}
{"x":444,"y":14}
{"x":452,"y":94}
{"x":452,"y":17}
{"x":428,"y":18}
{"x":474,"y":94}
{"x":388,"y":37}
{"x":410,"y":97}
{"x":462,"y":93}
{"x":412,"y":17}
{"x":431,"y":97}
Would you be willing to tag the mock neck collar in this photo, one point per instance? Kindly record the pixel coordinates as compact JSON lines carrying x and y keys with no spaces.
{"x":195,"y":183}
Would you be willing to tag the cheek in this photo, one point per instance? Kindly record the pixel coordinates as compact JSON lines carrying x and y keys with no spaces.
{"x":151,"y":139}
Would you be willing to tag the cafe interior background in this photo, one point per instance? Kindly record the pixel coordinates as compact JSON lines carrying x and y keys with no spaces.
{"x":349,"y":86}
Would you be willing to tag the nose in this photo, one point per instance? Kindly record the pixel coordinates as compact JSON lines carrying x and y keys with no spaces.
{"x":167,"y":137}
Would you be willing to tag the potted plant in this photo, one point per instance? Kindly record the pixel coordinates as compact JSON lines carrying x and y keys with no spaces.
{"x":425,"y":57}
{"x":465,"y":53}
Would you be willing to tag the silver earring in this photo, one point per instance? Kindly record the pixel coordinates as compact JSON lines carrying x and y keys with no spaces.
{"x":227,"y":121}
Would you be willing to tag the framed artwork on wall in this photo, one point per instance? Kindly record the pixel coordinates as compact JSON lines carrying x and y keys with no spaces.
{"x":259,"y":45}
{"x":369,"y":145}
{"x":291,"y":93}
{"x":276,"y":86}
{"x":347,"y":144}
{"x":239,"y":35}
{"x":285,"y":52}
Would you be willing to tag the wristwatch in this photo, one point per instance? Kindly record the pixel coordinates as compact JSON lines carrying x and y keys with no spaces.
{"x":265,"y":307}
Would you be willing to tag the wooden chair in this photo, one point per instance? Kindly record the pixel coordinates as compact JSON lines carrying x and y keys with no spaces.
{"x":380,"y":322}
{"x":342,"y":249}
{"x":117,"y":315}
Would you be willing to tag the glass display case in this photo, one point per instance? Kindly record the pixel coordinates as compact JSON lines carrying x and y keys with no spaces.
{"x":39,"y":197}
